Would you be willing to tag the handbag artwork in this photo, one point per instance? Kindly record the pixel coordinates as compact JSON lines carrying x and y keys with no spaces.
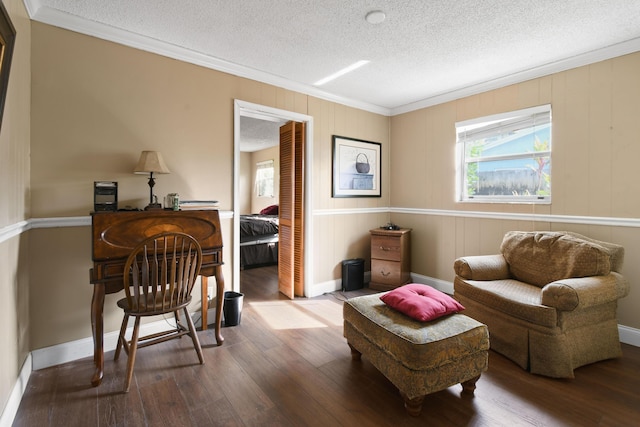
{"x":362,"y":167}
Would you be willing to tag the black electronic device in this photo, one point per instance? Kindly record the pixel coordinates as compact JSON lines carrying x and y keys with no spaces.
{"x":352,"y":274}
{"x":105,"y":196}
{"x":390,"y":226}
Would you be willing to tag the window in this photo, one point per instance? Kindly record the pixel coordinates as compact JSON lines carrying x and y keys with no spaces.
{"x":264,"y":178}
{"x":505,"y":157}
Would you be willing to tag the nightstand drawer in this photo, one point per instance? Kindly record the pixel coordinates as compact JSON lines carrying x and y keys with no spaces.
{"x":386,"y":247}
{"x":390,"y":258}
{"x":386,"y":272}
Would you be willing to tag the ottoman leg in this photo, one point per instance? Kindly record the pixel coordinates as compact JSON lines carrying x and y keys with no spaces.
{"x":355,"y":354}
{"x":413,"y":406}
{"x":468,"y":387}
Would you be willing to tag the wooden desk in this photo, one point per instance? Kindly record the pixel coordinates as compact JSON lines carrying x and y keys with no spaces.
{"x":115,"y":234}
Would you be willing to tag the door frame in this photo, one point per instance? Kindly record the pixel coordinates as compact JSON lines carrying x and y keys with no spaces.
{"x":257,"y":111}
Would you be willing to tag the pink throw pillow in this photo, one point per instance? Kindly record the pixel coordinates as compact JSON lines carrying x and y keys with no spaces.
{"x":421,"y":302}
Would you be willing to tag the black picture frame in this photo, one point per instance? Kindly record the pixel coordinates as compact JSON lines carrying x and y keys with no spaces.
{"x":7,"y":42}
{"x":356,"y":167}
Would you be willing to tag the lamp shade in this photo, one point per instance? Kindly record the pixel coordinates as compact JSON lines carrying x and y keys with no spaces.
{"x":151,"y":161}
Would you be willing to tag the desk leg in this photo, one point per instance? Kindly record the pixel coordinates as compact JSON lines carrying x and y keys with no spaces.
{"x":204,"y":301}
{"x":97,"y":326}
{"x":219,"y":301}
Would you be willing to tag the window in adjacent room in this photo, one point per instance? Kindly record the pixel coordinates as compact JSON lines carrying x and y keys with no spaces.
{"x":505,"y":157}
{"x":264,"y":178}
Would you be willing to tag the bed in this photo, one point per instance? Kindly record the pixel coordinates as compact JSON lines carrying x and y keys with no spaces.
{"x":258,"y":240}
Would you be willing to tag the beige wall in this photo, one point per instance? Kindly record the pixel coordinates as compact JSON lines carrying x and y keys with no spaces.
{"x":97,"y":104}
{"x":259,"y":203}
{"x":596,"y":148}
{"x":339,"y":237}
{"x":249,"y":201}
{"x":14,"y":207}
{"x":245,"y":185}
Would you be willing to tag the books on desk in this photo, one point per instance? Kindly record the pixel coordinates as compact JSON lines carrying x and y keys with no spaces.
{"x":186,"y":205}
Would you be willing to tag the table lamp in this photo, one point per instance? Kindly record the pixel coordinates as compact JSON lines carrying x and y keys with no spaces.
{"x":150,"y":162}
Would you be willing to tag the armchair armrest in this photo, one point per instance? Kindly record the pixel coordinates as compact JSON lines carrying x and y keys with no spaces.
{"x":482,"y":267}
{"x":569,"y":294}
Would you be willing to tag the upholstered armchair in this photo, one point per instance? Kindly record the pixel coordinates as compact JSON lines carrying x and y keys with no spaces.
{"x":549,"y":299}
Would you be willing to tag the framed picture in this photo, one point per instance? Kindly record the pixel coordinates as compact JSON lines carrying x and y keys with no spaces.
{"x":356,"y":167}
{"x":7,"y":40}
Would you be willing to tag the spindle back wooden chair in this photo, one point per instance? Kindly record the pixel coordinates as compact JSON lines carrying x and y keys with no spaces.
{"x":159,"y":276}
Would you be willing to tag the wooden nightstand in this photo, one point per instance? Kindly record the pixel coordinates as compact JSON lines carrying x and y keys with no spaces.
{"x":390,"y":258}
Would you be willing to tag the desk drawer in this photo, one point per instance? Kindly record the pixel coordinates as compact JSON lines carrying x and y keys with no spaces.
{"x":109,"y":270}
{"x":386,"y":247}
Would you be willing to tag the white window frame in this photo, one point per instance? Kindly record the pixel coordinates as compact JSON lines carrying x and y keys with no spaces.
{"x":260,"y":168}
{"x":469,"y":131}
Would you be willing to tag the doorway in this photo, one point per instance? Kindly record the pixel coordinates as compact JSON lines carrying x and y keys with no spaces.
{"x":261,"y":112}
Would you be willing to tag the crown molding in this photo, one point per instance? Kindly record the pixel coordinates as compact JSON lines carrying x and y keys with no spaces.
{"x":586,"y":58}
{"x":66,"y":21}
{"x":49,"y":16}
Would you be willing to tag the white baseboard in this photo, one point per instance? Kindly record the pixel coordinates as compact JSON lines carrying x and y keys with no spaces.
{"x":13,"y":403}
{"x":324,"y":288}
{"x":78,"y":349}
{"x":336,"y":285}
{"x":197,"y":317}
{"x":441,"y":285}
{"x":331,"y":286}
{"x":629,"y":335}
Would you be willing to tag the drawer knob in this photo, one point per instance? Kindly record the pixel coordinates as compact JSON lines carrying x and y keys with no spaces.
{"x":384,"y":249}
{"x":385,"y":274}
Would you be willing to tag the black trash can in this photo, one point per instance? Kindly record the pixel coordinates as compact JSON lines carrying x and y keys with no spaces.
{"x":232,"y":308}
{"x":352,"y":274}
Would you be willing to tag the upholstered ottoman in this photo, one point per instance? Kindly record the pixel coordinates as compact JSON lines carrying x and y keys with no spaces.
{"x":417,"y":357}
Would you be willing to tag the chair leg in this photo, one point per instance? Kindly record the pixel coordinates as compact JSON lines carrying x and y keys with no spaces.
{"x":194,"y":336}
{"x":123,"y":329}
{"x":179,"y":326}
{"x":133,"y":347}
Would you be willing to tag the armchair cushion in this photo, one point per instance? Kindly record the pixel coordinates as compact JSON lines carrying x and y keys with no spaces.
{"x":570,"y":294}
{"x":541,"y":258}
{"x":482,"y":267}
{"x":517,"y":299}
{"x":615,"y":251}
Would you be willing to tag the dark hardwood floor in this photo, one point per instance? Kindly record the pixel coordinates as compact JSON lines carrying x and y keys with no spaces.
{"x":287,"y":364}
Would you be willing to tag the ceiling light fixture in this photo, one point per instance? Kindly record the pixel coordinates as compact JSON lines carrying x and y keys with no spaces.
{"x":342,"y":72}
{"x":375,"y":17}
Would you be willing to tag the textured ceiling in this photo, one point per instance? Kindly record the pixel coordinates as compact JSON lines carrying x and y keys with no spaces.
{"x":425,"y":52}
{"x":257,"y":134}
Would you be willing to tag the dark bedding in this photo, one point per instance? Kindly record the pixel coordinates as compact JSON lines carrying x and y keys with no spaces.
{"x":259,"y":255}
{"x":257,"y":225}
{"x":258,"y":240}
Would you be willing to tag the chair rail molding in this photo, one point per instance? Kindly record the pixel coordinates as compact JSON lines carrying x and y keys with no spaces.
{"x":12,"y":230}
